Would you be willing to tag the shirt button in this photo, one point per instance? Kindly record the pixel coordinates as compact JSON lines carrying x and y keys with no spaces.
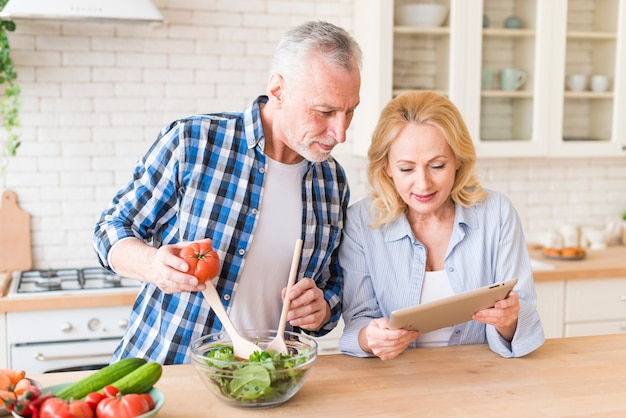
{"x":262,"y":170}
{"x":255,"y":211}
{"x":241,"y":251}
{"x":450,"y":269}
{"x":226,"y":297}
{"x":458,"y":331}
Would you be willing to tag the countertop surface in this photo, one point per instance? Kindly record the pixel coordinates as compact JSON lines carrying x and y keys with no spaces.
{"x":582,"y":376}
{"x":597,"y":264}
{"x":610,"y":262}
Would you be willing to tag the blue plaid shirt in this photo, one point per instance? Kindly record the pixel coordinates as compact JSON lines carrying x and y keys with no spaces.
{"x":203,"y":178}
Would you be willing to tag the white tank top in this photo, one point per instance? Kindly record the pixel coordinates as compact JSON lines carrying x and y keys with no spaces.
{"x":436,"y":286}
{"x":257,"y":301}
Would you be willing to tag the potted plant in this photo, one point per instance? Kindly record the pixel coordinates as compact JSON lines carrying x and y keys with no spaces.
{"x":10,"y":103}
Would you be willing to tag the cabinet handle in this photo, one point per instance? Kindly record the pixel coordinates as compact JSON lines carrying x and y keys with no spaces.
{"x":43,"y":357}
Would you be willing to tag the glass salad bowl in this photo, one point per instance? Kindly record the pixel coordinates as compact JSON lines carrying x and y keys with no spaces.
{"x":267,"y":379}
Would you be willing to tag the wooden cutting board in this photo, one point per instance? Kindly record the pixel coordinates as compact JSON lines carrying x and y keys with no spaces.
{"x":15,"y":248}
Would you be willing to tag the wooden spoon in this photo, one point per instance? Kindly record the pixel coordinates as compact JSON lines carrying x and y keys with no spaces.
{"x":278,"y":343}
{"x":242,"y":348}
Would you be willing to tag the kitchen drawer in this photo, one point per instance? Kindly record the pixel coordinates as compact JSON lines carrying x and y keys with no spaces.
{"x":595,"y":300}
{"x":595,"y":328}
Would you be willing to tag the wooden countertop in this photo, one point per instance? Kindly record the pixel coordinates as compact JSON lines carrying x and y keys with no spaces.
{"x":39,"y":303}
{"x":610,"y":262}
{"x":582,"y":376}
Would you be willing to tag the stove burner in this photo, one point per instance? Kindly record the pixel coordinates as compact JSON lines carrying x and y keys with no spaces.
{"x":68,"y":280}
{"x":49,"y":284}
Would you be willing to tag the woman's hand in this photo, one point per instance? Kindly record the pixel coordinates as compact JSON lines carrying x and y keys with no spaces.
{"x":503,"y":316}
{"x":378,"y":339}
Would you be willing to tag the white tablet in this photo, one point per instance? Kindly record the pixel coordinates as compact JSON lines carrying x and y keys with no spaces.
{"x":451,"y":310}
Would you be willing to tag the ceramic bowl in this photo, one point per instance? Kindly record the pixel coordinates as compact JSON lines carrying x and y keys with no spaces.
{"x":421,"y":15}
{"x":157,"y":395}
{"x":250,"y":384}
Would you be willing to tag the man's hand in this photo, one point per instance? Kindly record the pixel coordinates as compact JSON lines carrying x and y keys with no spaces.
{"x":308,"y":309}
{"x":162,"y":266}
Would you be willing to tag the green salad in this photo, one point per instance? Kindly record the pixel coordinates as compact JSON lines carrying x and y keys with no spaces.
{"x":265,"y":377}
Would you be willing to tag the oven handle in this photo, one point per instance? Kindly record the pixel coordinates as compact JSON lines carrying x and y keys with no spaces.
{"x":43,"y":357}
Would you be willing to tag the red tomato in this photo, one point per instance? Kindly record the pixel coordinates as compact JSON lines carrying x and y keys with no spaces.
{"x":204,"y":263}
{"x":60,"y":408}
{"x":148,"y":399}
{"x":93,"y":399}
{"x":127,"y":406}
{"x":110,"y":391}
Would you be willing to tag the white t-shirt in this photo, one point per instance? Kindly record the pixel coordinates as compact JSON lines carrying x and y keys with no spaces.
{"x":436,"y":286}
{"x":257,"y":301}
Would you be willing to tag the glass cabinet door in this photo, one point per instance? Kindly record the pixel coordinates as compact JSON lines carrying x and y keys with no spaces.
{"x":509,"y":83}
{"x":589,"y":111}
{"x":420,"y":50}
{"x":507,"y":77}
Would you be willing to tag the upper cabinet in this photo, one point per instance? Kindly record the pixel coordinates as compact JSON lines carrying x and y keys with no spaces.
{"x":532,"y":78}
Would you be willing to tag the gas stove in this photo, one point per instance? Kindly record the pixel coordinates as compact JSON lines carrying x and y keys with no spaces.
{"x":53,"y":282}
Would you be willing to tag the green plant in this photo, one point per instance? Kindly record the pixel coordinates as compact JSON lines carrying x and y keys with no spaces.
{"x":624,"y":216}
{"x":10,"y":103}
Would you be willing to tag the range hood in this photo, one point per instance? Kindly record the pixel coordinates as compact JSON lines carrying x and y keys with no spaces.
{"x":131,"y":11}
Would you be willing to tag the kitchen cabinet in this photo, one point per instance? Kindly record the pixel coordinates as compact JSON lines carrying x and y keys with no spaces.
{"x":581,"y":307}
{"x":542,"y":118}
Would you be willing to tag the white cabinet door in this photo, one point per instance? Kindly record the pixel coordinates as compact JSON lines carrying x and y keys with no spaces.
{"x":550,"y":304}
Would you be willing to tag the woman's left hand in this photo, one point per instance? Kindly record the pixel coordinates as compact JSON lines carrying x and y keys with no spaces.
{"x":503,"y":315}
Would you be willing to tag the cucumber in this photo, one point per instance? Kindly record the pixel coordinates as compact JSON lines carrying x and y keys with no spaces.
{"x":100,"y":379}
{"x":139,"y":380}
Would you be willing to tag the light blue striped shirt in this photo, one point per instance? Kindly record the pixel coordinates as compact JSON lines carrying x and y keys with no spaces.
{"x":384,"y":270}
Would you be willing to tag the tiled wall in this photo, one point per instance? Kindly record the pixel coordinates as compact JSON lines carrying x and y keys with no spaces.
{"x":95,"y":95}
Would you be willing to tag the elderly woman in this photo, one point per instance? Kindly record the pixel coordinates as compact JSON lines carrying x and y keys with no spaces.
{"x":428,"y":231}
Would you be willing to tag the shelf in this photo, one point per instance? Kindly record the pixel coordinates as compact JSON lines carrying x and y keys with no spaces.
{"x":397,"y":92}
{"x":521,"y":94}
{"x":591,"y":35}
{"x":588,"y":95}
{"x":509,"y":33}
{"x":438,"y":31}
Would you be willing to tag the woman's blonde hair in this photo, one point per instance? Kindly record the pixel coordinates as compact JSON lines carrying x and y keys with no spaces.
{"x":424,"y":107}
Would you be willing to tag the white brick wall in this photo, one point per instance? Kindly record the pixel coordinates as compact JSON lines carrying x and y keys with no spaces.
{"x":95,"y":96}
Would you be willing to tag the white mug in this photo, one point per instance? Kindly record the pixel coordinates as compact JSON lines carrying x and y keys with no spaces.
{"x":599,"y":83}
{"x":577,"y":82}
{"x":511,"y":79}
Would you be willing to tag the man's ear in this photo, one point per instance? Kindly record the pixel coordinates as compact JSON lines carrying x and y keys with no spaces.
{"x":275,"y":87}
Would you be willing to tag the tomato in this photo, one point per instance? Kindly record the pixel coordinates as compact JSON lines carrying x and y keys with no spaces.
{"x":204,"y":263}
{"x":127,"y":406}
{"x":93,"y":399}
{"x":60,"y":408}
{"x":148,"y":399}
{"x":110,"y":391}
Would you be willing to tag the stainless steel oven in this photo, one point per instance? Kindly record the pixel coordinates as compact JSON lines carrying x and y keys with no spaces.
{"x":66,"y":338}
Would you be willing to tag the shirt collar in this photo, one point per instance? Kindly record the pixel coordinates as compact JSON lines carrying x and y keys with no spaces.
{"x":252,"y":123}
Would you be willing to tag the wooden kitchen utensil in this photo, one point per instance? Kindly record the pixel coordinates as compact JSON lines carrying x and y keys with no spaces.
{"x":15,"y":244}
{"x":278,"y":343}
{"x":242,"y":348}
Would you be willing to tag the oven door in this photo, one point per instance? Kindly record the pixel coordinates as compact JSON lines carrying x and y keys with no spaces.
{"x":39,"y":358}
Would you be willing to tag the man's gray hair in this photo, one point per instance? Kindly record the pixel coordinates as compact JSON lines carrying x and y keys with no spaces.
{"x":335,"y":44}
